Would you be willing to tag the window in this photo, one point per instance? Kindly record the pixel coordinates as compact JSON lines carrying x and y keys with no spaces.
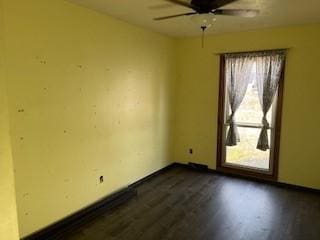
{"x":244,"y":156}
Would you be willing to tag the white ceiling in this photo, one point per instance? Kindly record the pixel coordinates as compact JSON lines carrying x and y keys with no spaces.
{"x":273,"y":13}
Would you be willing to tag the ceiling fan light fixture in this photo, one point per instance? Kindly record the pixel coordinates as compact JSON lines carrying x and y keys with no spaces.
{"x":204,"y":20}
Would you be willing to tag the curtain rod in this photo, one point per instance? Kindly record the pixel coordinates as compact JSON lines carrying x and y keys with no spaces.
{"x":254,"y":51}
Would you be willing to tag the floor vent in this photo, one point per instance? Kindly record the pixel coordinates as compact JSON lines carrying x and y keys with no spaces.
{"x":199,"y":167}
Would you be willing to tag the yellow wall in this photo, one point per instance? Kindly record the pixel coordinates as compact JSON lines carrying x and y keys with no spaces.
{"x":8,"y":209}
{"x":88,"y":96}
{"x":197,"y":98}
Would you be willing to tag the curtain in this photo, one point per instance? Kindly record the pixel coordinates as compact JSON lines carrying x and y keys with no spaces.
{"x":238,"y":70}
{"x":269,"y":67}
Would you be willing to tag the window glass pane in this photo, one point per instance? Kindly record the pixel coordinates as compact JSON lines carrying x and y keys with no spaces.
{"x":250,"y":110}
{"x":245,"y":153}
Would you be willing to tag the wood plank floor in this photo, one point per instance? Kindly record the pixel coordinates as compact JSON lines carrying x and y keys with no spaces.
{"x":185,"y":204}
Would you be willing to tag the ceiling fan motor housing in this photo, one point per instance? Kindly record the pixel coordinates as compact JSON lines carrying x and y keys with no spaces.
{"x":203,"y":7}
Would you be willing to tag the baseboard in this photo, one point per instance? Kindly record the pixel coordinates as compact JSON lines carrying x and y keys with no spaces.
{"x":147,"y":178}
{"x":58,"y":229}
{"x":204,"y":168}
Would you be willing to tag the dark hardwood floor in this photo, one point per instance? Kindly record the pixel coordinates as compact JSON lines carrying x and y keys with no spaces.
{"x":182,"y":204}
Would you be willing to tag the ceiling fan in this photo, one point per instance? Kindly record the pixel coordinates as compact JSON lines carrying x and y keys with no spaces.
{"x":210,"y":7}
{"x":204,"y":12}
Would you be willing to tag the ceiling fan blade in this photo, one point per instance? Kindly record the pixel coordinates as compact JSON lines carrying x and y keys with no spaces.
{"x":220,"y":3}
{"x":181,"y":3}
{"x":237,"y":12}
{"x":173,"y":16}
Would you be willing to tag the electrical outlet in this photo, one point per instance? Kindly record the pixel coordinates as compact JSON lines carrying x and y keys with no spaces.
{"x":191,"y":151}
{"x":101,"y":179}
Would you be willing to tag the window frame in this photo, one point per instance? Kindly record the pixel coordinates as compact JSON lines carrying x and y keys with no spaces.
{"x":222,"y":166}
